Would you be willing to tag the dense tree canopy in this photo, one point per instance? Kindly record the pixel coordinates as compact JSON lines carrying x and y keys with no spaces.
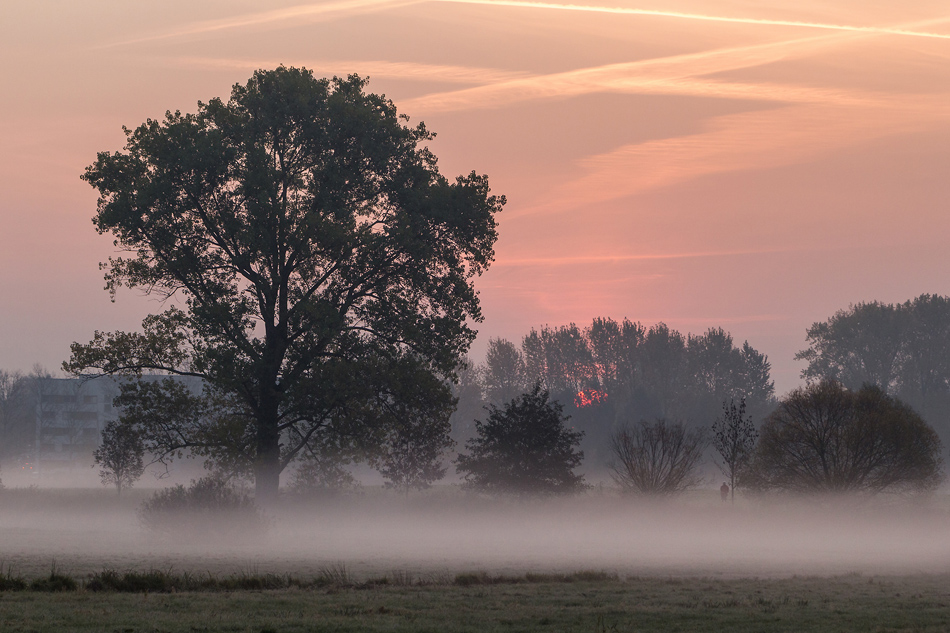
{"x":610,"y":371}
{"x":298,"y":231}
{"x":902,"y":348}
{"x":18,"y":400}
{"x":827,"y":438}
{"x":504,"y":372}
{"x":655,"y":371}
{"x":523,"y":447}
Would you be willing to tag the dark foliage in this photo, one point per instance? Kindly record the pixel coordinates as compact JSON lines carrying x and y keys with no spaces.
{"x":120,"y":456}
{"x":612,"y":370}
{"x":470,"y":579}
{"x":654,"y":372}
{"x":523,"y":448}
{"x":9,"y":582}
{"x":902,"y":348}
{"x":504,"y":372}
{"x":308,"y":233}
{"x":827,"y":438}
{"x":657,"y":458}
{"x":161,"y":581}
{"x":208,"y":509}
{"x":411,"y":408}
{"x":323,"y":472}
{"x":413,"y":452}
{"x":55,"y":582}
{"x":18,"y":400}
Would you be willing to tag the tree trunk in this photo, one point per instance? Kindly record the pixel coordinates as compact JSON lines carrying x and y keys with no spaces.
{"x":267,"y":475}
{"x":267,"y":464}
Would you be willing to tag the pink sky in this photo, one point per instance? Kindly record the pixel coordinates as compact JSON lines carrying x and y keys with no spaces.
{"x":750,"y":165}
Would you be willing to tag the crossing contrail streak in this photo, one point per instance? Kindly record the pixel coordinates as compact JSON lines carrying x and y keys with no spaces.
{"x":276,"y":16}
{"x":881,"y":30}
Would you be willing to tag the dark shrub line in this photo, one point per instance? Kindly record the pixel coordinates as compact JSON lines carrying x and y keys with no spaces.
{"x":483,"y":578}
{"x":159,"y":581}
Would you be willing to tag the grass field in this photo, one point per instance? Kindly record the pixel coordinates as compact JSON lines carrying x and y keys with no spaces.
{"x":849,"y":603}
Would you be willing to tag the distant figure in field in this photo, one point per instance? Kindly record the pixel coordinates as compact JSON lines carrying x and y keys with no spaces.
{"x":724,"y":491}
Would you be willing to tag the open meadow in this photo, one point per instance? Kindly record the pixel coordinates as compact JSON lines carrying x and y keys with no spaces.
{"x":449,"y":561}
{"x":848,"y":603}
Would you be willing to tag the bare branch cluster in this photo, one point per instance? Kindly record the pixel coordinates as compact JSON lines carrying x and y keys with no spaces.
{"x":658,"y":458}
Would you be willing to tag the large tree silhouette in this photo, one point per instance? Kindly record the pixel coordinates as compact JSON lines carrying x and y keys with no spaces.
{"x":297,"y":232}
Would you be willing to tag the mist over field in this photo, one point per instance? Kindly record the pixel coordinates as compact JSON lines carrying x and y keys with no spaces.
{"x":445,"y":532}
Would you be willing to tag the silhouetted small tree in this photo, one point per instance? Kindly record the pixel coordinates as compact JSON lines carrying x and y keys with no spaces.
{"x":733,"y":437}
{"x":412,"y":455}
{"x":826,"y":438}
{"x":120,"y":456}
{"x":523,"y":447}
{"x":658,"y":458}
{"x":323,"y":470}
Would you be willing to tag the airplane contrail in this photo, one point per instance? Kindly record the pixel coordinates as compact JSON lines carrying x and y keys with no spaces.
{"x":313,"y":10}
{"x":881,"y":30}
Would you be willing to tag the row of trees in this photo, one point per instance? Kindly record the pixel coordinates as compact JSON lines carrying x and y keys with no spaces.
{"x":318,"y":273}
{"x":610,"y":372}
{"x":902,"y":348}
{"x":655,"y":370}
{"x":19,"y":395}
{"x":821,"y":438}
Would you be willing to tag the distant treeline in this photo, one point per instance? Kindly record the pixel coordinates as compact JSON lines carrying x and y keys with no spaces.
{"x":19,"y":395}
{"x":611,"y":373}
{"x":903,"y":348}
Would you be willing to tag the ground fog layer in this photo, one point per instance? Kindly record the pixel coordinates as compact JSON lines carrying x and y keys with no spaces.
{"x":448,"y":532}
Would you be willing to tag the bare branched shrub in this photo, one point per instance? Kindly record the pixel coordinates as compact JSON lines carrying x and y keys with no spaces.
{"x":826,"y":438}
{"x":658,"y":458}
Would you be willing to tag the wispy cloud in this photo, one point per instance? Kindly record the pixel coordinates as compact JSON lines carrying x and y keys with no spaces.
{"x":374,"y":68}
{"x":315,"y":11}
{"x":876,"y":30}
{"x":744,"y":141}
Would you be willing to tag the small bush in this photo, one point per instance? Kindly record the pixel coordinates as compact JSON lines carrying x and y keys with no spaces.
{"x":153,"y":581}
{"x":9,"y":582}
{"x":55,"y":582}
{"x":335,"y":574}
{"x":209,"y":508}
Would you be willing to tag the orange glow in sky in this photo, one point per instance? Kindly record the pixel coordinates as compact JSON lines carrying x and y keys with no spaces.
{"x":750,"y":165}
